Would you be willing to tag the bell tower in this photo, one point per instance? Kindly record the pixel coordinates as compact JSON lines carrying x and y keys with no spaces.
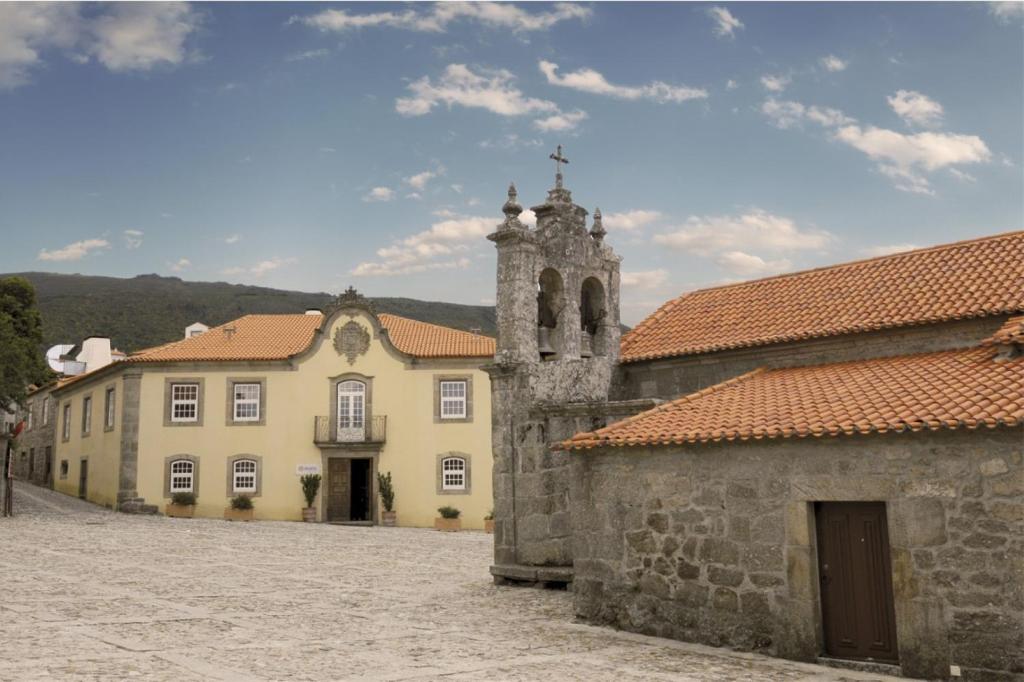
{"x":557,"y":349}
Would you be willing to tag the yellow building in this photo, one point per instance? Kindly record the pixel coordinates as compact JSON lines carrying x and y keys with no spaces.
{"x":249,"y":406}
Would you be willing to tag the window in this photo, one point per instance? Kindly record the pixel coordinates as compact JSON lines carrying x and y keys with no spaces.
{"x":63,"y":468}
{"x":66,"y":426}
{"x":108,"y":409}
{"x":182,"y":476}
{"x":453,"y":400}
{"x":244,"y":476}
{"x":46,"y":410}
{"x":28,"y":423}
{"x":184,"y":403}
{"x":351,"y":406}
{"x":86,"y":415}
{"x":453,"y":473}
{"x":246,"y":402}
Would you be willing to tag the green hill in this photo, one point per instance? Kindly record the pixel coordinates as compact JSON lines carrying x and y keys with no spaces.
{"x":148,"y":310}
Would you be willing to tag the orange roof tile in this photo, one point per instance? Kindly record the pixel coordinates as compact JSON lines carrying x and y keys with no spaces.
{"x":963,"y":388}
{"x":426,"y":340}
{"x":962,"y":280}
{"x":1011,"y":332}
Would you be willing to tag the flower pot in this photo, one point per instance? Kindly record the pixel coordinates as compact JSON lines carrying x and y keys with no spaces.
{"x":447,"y":525}
{"x":237,"y":514}
{"x":488,"y":525}
{"x":389,"y":519}
{"x":180,"y":511}
{"x":308,"y":514}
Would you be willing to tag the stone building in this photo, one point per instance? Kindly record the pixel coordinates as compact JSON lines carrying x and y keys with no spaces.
{"x":33,"y":449}
{"x":826,"y":464}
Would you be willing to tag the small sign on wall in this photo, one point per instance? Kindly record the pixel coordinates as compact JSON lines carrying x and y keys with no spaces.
{"x":303,"y":469}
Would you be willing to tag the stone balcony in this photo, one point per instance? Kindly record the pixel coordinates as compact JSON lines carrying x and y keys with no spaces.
{"x":327,"y":434}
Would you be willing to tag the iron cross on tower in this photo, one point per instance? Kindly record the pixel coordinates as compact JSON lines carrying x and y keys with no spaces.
{"x":559,"y":160}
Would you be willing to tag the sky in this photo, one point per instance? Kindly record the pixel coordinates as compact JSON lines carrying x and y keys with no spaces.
{"x":316,"y":146}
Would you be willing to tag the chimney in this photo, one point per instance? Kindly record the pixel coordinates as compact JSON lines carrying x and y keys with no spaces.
{"x":195,"y":329}
{"x":314,"y":311}
{"x":229,"y":332}
{"x":95,"y":353}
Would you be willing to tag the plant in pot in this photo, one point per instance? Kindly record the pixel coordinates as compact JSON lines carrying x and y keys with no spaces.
{"x":310,"y":487}
{"x":449,"y":520}
{"x":240,"y":509}
{"x":387,"y":499}
{"x":182,"y":506}
{"x":489,"y":522}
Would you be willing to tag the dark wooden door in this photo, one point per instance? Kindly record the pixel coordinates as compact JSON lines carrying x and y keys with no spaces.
{"x":360,"y":490}
{"x":338,"y":498}
{"x":83,"y":478}
{"x":856,"y":581}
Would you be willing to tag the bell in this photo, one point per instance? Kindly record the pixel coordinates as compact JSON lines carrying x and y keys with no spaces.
{"x":586,"y":344}
{"x":544,"y":342}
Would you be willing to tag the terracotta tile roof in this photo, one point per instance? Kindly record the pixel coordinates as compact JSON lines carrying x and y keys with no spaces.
{"x":964,"y":388}
{"x":425,"y":340}
{"x":962,"y":280}
{"x":1009,"y":333}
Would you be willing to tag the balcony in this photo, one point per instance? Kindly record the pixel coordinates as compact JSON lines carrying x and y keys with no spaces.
{"x":327,"y":434}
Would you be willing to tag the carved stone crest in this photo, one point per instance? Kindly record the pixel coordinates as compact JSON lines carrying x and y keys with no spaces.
{"x":351,"y":340}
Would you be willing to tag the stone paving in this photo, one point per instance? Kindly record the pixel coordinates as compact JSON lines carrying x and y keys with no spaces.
{"x":89,"y":594}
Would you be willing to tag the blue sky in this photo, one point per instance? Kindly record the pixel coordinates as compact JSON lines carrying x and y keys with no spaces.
{"x":313,"y":146}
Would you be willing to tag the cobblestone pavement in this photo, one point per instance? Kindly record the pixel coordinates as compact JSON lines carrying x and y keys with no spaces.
{"x":89,"y":594}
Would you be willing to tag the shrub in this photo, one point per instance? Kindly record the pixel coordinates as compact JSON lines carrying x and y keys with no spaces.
{"x":183,"y":499}
{"x":310,"y":487}
{"x":489,"y":516}
{"x":448,"y":512}
{"x":387,"y":491}
{"x":241,"y":502}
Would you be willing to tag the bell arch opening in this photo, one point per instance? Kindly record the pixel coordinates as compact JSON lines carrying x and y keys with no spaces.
{"x":550,"y":303}
{"x":593,"y":311}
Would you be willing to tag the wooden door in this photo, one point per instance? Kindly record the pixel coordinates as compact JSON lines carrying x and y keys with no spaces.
{"x":83,"y":478}
{"x":856,"y":581}
{"x":338,"y":498}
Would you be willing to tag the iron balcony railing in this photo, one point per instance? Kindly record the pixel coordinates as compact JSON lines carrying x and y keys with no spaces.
{"x":327,"y":431}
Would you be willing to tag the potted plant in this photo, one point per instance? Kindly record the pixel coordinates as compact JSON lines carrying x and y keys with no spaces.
{"x":240,"y":509}
{"x":387,"y":499}
{"x":449,"y":520}
{"x":489,"y":522}
{"x":310,"y":487}
{"x":182,"y":506}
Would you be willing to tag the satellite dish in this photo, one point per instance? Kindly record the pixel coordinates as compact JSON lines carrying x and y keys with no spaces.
{"x":53,"y":356}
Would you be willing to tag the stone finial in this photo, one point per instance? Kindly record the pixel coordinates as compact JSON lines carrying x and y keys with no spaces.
{"x":597,"y":231}
{"x":512,"y":209}
{"x":350,"y":298}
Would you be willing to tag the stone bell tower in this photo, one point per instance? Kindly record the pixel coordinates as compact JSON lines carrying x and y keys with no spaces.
{"x":557,"y":350}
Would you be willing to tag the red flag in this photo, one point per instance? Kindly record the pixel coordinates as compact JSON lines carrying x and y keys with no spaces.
{"x":18,"y":428}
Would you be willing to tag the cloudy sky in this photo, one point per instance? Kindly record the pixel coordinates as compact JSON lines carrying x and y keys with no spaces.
{"x":311,"y":146}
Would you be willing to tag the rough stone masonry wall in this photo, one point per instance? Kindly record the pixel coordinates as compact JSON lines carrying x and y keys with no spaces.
{"x":716,"y":543}
{"x":674,"y":377}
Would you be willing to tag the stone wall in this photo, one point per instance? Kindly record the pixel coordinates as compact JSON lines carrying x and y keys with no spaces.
{"x":675,"y":377}
{"x":32,"y":444}
{"x":716,"y":543}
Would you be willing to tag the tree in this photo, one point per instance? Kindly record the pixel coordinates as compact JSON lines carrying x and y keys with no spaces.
{"x":21,"y":340}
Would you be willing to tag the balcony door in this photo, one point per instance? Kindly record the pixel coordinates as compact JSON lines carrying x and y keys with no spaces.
{"x":351,"y":411}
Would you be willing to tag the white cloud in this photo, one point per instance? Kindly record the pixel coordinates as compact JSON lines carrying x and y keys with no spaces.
{"x":833,"y":63}
{"x":1006,"y":12}
{"x":327,"y":150}
{"x":748,"y":265}
{"x":630,"y":221}
{"x":491,"y":89}
{"x":731,"y":84}
{"x":775,"y":83}
{"x":380,"y":194}
{"x":787,"y":114}
{"x":887,"y":249}
{"x":510,"y":141}
{"x":962,"y":176}
{"x":307,"y":54}
{"x":262,"y":267}
{"x":233,"y":238}
{"x":74,"y":251}
{"x":644,"y":280}
{"x":132,"y":239}
{"x":441,"y":14}
{"x":725,"y":23}
{"x":561,"y":121}
{"x":457,"y":188}
{"x":180,"y":266}
{"x":140,"y":36}
{"x":420,"y":180}
{"x":589,"y":80}
{"x":916,"y":109}
{"x":27,"y":29}
{"x":443,"y":246}
{"x":754,"y":229}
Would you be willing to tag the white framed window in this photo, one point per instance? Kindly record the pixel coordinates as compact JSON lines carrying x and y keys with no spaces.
{"x":108,"y":408}
{"x":243,"y":476}
{"x":453,"y":400}
{"x":28,"y":422}
{"x":86,"y":414}
{"x":184,"y":402}
{"x":182,"y":476}
{"x":46,"y":410}
{"x":246,"y":402}
{"x":453,"y":473}
{"x":66,"y":426}
{"x":351,"y":405}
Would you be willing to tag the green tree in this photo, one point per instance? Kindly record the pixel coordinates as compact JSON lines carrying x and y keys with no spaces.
{"x":21,"y":339}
